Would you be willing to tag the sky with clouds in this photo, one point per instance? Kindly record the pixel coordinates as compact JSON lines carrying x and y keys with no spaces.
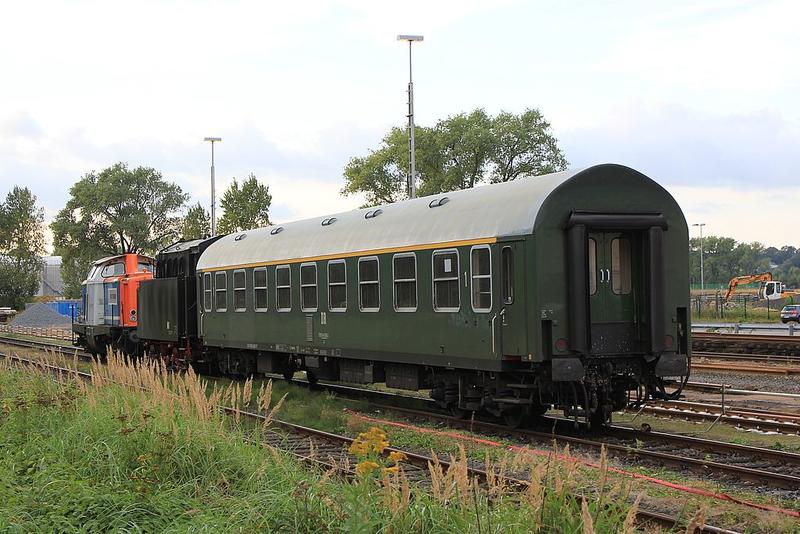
{"x":702,"y":96}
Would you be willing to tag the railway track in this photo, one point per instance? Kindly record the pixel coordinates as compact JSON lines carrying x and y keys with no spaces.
{"x":328,"y":451}
{"x":768,"y":358}
{"x":746,"y":343}
{"x":781,"y":370}
{"x":762,"y":420}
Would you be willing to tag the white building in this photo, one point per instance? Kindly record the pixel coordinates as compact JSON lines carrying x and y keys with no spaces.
{"x":51,"y":284}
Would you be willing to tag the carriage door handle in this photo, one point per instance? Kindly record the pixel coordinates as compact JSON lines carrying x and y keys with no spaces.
{"x":608,"y":275}
{"x":601,"y":276}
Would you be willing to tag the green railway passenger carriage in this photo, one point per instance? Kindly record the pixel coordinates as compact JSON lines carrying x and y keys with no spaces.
{"x":569,"y":289}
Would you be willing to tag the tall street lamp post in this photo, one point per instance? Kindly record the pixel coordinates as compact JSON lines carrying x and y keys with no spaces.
{"x":213,"y":197}
{"x":702,"y":281}
{"x":412,"y":171}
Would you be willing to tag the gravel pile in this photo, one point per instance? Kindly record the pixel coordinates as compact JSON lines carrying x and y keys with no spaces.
{"x":40,"y":315}
{"x":777,"y":383}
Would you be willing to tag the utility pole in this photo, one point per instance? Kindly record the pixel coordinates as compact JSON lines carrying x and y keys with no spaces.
{"x":213,"y":195}
{"x":702,"y":280}
{"x":412,"y":170}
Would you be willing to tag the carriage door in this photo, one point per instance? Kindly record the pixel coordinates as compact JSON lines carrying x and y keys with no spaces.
{"x":611,"y":293}
{"x":511,"y":312}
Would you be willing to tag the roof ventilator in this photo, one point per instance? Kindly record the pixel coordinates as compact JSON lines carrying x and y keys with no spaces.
{"x":371,"y":214}
{"x":239,"y":237}
{"x":276,"y":230}
{"x":329,"y":221}
{"x":435,"y":203}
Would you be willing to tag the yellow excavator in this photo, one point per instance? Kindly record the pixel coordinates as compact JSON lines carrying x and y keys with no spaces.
{"x":768,"y":290}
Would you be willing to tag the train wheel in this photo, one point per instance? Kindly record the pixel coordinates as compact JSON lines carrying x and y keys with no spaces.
{"x":288,"y":374}
{"x":312,"y":378}
{"x":514,"y":417}
{"x":599,"y":419}
{"x":458,"y":413}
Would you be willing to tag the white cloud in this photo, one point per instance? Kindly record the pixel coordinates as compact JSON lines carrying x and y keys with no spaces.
{"x":767,"y":215}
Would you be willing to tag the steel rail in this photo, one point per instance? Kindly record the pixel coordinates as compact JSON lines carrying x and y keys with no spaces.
{"x":776,"y":358}
{"x":310,"y":454}
{"x":762,"y":423}
{"x":747,"y":369}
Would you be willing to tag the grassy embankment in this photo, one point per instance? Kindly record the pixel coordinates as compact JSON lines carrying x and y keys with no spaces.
{"x":108,"y":457}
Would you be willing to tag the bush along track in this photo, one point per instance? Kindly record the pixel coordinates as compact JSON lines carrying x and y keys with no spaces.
{"x":158,"y":455}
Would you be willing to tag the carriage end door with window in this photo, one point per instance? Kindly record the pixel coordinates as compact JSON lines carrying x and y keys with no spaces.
{"x":612,"y":293}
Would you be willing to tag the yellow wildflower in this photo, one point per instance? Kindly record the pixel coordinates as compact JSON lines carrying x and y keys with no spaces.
{"x":397,"y":456}
{"x":366,"y":467}
{"x":391,"y":470}
{"x":359,"y":447}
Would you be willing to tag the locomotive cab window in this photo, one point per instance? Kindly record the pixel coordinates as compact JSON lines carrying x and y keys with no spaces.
{"x":283,"y":288}
{"x":113,"y":269}
{"x":308,"y":287}
{"x":404,"y":268}
{"x":207,"y":292}
{"x":445,"y":281}
{"x":621,"y":266}
{"x":260,"y":289}
{"x":481,"y":268}
{"x":221,"y":291}
{"x":369,"y":286}
{"x":337,"y":285}
{"x":239,"y":291}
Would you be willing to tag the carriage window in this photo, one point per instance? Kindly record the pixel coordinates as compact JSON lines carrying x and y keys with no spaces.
{"x":508,"y":275}
{"x":207,"y":292}
{"x":445,"y":281}
{"x":405,"y":282}
{"x":592,"y":266}
{"x":481,"y":266}
{"x":283,"y":288}
{"x":239,"y":291}
{"x":221,"y":291}
{"x":621,"y":266}
{"x":260,"y":289}
{"x":308,"y":287}
{"x":145,"y":267}
{"x":369,"y":286}
{"x":337,"y":285}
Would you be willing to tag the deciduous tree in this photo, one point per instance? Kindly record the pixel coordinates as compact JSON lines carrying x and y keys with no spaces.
{"x":21,"y":247}
{"x":115,"y":211}
{"x":196,"y":223}
{"x":524,"y":146}
{"x":459,"y":152}
{"x":245,"y":207}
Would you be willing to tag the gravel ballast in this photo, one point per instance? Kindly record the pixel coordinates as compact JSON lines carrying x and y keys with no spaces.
{"x":40,"y":315}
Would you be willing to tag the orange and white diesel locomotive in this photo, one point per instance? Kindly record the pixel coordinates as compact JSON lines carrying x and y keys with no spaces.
{"x":110,"y":308}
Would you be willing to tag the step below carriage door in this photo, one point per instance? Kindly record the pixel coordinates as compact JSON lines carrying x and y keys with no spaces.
{"x":613,"y":285}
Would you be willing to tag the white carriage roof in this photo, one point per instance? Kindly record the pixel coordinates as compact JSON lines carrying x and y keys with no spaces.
{"x":477,"y":215}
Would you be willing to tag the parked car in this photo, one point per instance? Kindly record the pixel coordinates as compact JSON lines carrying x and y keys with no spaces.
{"x":790,"y":313}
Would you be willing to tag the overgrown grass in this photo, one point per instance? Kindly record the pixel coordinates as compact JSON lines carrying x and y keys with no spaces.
{"x":156,"y":455}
